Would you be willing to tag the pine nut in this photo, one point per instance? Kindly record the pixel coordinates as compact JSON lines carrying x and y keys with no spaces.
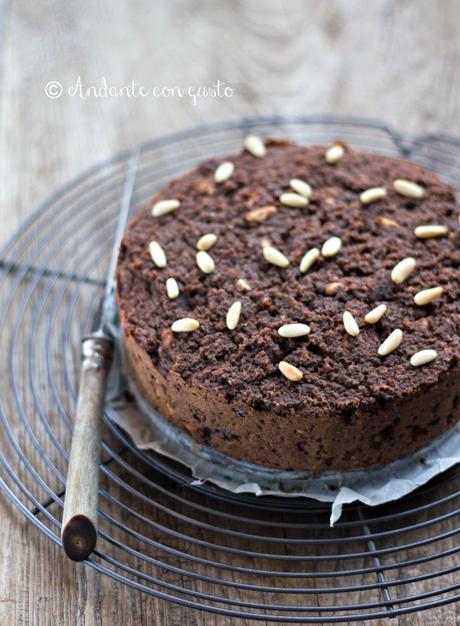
{"x":427,"y":295}
{"x":408,"y":188}
{"x":206,"y":241}
{"x":205,"y":262}
{"x":185,"y":325}
{"x":224,"y":172}
{"x":334,"y":154}
{"x":391,"y":342}
{"x":157,"y":254}
{"x":376,"y":314}
{"x":275,"y":257}
{"x":309,"y":259}
{"x":403,"y":270}
{"x":261,"y":214}
{"x":301,"y":187}
{"x":255,"y":146}
{"x":291,"y":372}
{"x":350,"y":324}
{"x":293,"y":200}
{"x":172,"y":288}
{"x":243,"y":285}
{"x":294,"y":330}
{"x":331,"y":246}
{"x":423,"y":357}
{"x":372,"y":195}
{"x":428,"y":231}
{"x":233,"y":315}
{"x":164,"y":206}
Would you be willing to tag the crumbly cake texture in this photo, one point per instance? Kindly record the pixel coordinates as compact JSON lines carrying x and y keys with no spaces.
{"x":352,"y":407}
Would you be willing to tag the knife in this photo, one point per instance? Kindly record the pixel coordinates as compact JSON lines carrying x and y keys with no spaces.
{"x":79,"y":520}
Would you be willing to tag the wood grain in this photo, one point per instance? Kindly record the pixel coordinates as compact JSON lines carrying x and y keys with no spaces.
{"x":390,"y":60}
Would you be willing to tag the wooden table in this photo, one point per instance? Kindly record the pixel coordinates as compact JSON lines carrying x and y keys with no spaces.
{"x":394,"y":61}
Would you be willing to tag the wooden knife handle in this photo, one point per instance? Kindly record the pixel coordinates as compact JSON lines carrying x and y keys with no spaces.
{"x":79,"y":521}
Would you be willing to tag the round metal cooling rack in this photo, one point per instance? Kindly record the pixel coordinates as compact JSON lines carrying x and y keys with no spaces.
{"x":236,"y":555}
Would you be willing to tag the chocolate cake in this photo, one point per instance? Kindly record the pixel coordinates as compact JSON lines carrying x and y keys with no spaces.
{"x":297,"y":307}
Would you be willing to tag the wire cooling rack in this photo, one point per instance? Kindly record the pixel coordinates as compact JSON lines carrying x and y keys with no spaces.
{"x":236,"y":555}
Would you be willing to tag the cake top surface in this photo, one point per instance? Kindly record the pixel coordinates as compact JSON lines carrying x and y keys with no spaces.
{"x":337,"y":371}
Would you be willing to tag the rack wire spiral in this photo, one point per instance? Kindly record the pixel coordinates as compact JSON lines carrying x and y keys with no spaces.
{"x":236,"y":555}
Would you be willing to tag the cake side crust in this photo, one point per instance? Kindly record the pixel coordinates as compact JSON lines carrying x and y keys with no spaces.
{"x":297,"y":442}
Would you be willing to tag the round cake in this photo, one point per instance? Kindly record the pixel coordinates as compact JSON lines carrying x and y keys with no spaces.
{"x":297,"y":307}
